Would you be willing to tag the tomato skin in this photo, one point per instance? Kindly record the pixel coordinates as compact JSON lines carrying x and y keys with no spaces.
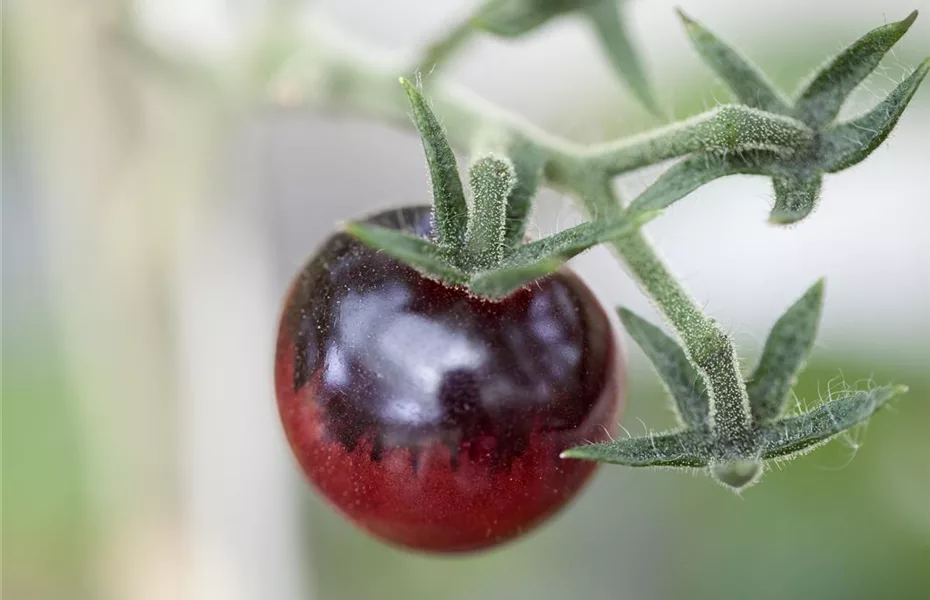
{"x":434,"y":419}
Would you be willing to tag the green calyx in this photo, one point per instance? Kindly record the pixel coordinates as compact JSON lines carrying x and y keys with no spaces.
{"x":479,"y":245}
{"x":833,"y":146}
{"x":701,"y":442}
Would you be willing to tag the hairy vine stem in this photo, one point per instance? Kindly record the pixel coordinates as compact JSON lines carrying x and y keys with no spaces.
{"x":727,"y":426}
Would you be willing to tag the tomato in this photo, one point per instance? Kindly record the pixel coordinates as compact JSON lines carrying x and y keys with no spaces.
{"x":433,"y":418}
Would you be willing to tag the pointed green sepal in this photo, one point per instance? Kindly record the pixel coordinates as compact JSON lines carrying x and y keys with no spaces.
{"x":503,"y":281}
{"x":570,"y":242}
{"x":791,"y":436}
{"x":846,"y":144}
{"x":491,"y":180}
{"x":796,"y":194}
{"x":450,"y":210}
{"x":541,"y":258}
{"x":786,"y":350}
{"x":677,"y":449}
{"x":678,"y":375}
{"x":688,"y":175}
{"x":423,"y":255}
{"x":822,"y":97}
{"x":744,"y":79}
{"x":608,"y":24}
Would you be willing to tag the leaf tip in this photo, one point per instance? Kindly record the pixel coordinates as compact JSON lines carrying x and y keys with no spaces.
{"x":413,"y":94}
{"x":907,"y":21}
{"x":897,"y":390}
{"x":923,"y":67}
{"x":685,"y":19}
{"x":353,"y":228}
{"x":816,"y":290}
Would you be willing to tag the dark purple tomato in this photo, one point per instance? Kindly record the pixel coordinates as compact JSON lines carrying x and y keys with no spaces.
{"x":432,"y":418}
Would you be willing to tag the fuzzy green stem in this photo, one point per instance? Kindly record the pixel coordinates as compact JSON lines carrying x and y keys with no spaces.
{"x":730,"y":128}
{"x":708,"y":347}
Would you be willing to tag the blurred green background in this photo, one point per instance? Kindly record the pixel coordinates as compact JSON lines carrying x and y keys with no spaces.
{"x":150,"y":228}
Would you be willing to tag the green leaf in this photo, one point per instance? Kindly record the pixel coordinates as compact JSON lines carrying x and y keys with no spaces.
{"x":745,"y":80}
{"x":423,"y":255}
{"x":450,"y":210}
{"x":848,"y":143}
{"x":570,"y":242}
{"x":491,"y":180}
{"x":676,"y":449}
{"x":688,"y":175}
{"x":512,"y":18}
{"x":677,"y":373}
{"x":796,"y":194}
{"x":793,"y":435}
{"x":610,"y":29}
{"x":821,"y":99}
{"x":786,"y":350}
{"x":543,"y":257}
{"x":503,"y":281}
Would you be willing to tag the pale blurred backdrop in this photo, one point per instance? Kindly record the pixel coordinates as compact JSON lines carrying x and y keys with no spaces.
{"x":150,"y":229}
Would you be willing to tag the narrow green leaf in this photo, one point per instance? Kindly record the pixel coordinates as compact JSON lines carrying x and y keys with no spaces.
{"x":821,"y":99}
{"x":796,"y":194}
{"x":688,"y":175}
{"x":423,"y":255}
{"x":746,"y":81}
{"x":848,"y":143}
{"x":450,"y":210}
{"x":570,"y":242}
{"x":612,"y":33}
{"x":677,"y":373}
{"x":678,"y":449}
{"x":786,"y":350}
{"x":793,"y":435}
{"x":503,"y":281}
{"x":543,"y":257}
{"x":511,"y":18}
{"x":491,"y":179}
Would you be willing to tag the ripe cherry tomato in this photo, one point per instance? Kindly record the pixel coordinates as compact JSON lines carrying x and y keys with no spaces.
{"x":430,"y":417}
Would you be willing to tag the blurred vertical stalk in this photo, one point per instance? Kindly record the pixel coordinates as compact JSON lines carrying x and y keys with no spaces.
{"x":124,"y":162}
{"x":113,"y":193}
